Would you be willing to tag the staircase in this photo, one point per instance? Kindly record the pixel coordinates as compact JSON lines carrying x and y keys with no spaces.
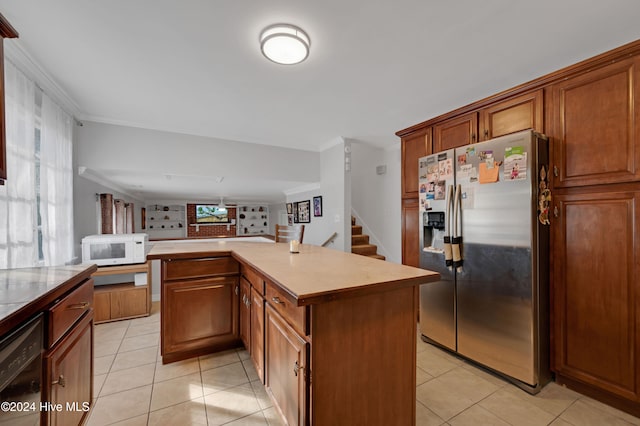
{"x":360,"y":242}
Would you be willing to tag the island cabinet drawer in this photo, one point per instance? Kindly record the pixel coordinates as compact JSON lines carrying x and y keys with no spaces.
{"x":254,"y":278}
{"x":68,"y":310}
{"x":174,"y":269}
{"x":284,"y":304}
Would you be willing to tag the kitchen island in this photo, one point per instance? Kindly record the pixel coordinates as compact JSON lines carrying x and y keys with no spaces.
{"x":332,"y":335}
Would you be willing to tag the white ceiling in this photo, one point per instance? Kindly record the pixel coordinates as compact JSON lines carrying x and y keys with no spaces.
{"x":375,"y":67}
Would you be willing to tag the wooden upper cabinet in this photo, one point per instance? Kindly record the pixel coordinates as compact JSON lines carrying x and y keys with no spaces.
{"x":595,"y":119}
{"x":455,"y":132}
{"x":414,"y":146}
{"x":517,"y":113}
{"x":6,"y":31}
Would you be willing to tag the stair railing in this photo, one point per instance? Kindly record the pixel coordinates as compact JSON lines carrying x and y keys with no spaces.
{"x":330,"y":239}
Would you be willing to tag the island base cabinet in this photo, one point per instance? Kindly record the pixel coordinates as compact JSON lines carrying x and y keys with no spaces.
{"x":198,"y":317}
{"x":363,"y":352}
{"x":286,"y":367}
{"x":68,"y":377}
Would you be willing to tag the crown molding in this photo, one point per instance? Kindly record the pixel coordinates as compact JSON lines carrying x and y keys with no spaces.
{"x":302,"y":188}
{"x":17,"y":54}
{"x":98,"y":178}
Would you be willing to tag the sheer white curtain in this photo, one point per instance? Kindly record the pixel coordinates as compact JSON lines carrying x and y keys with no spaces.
{"x":56,"y":184}
{"x":18,"y":244}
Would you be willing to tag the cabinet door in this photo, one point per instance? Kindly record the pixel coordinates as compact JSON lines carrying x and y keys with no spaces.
{"x":410,"y":233}
{"x":286,"y":368}
{"x":129,"y":303}
{"x":199,"y":315}
{"x":512,"y":115}
{"x":414,"y":146}
{"x":456,"y":132}
{"x":257,"y":332}
{"x":595,"y":294}
{"x":69,"y":376}
{"x":596,"y":126}
{"x":245,"y":313}
{"x":102,"y":306}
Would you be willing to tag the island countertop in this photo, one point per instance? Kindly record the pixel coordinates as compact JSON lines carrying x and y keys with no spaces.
{"x":314,"y":275}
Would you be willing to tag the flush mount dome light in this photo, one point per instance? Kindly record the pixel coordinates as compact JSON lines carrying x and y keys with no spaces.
{"x":284,"y":44}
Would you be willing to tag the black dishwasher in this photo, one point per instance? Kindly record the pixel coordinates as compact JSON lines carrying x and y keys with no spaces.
{"x":21,"y":374}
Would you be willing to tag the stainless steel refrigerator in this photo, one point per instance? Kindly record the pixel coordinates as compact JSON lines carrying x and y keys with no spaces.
{"x":484,"y":227}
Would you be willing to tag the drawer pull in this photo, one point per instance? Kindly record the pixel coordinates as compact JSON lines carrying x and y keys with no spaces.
{"x":81,"y":305}
{"x":276,"y":300}
{"x":61,"y":381}
{"x":297,"y":367}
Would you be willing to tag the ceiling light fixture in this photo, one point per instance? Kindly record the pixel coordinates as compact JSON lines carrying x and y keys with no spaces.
{"x":284,"y":44}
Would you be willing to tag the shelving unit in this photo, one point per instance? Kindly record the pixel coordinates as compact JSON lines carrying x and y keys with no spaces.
{"x":252,"y":220}
{"x":166,"y":221}
{"x":126,"y":300}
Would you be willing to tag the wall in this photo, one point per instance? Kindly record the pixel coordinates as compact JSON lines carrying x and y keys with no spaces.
{"x":85,"y":209}
{"x":375,"y":198}
{"x":111,"y":147}
{"x":334,"y":187}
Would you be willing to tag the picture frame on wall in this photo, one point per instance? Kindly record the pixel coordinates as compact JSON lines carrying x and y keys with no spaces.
{"x":289,"y":219}
{"x":294,"y":212}
{"x":304,"y":211}
{"x":289,"y":208}
{"x":317,"y":206}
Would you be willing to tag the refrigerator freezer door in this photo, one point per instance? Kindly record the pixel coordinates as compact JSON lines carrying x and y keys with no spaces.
{"x":495,"y":288}
{"x":437,"y":304}
{"x":437,"y":299}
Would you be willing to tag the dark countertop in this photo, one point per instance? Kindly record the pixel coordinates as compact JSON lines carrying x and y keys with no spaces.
{"x":26,"y":291}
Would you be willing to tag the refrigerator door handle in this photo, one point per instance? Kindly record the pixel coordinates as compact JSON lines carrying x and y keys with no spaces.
{"x":448,"y":254}
{"x":456,"y":240}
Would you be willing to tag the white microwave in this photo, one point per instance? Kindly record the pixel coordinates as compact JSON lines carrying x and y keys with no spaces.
{"x":115,"y":249}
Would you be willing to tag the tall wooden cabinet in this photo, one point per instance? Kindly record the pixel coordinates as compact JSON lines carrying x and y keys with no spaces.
{"x":595,"y":129}
{"x":596,"y":322}
{"x":6,"y":31}
{"x":591,"y":113}
{"x":415,"y":145}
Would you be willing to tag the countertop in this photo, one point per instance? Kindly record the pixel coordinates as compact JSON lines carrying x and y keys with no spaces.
{"x":25,"y":291}
{"x":314,"y":275}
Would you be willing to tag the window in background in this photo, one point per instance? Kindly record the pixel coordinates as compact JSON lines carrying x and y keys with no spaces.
{"x":36,"y":203}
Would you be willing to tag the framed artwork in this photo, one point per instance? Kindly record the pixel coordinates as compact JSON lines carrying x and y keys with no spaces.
{"x":317,"y":206}
{"x":304,"y":211}
{"x":294,"y":212}
{"x":289,"y":208}
{"x":289,"y":219}
{"x":143,"y":217}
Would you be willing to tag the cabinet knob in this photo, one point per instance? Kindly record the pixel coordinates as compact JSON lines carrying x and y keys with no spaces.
{"x":556,"y":172}
{"x":486,"y":133}
{"x":297,"y":367}
{"x":61,"y":381}
{"x":473,"y":137}
{"x":556,"y":212}
{"x":276,"y":300}
{"x":237,"y":290}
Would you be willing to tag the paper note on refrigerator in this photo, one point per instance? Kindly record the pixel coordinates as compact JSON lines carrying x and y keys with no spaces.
{"x":515,"y":163}
{"x":488,"y":174}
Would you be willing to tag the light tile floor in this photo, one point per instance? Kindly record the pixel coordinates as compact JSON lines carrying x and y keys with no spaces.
{"x":132,"y":387}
